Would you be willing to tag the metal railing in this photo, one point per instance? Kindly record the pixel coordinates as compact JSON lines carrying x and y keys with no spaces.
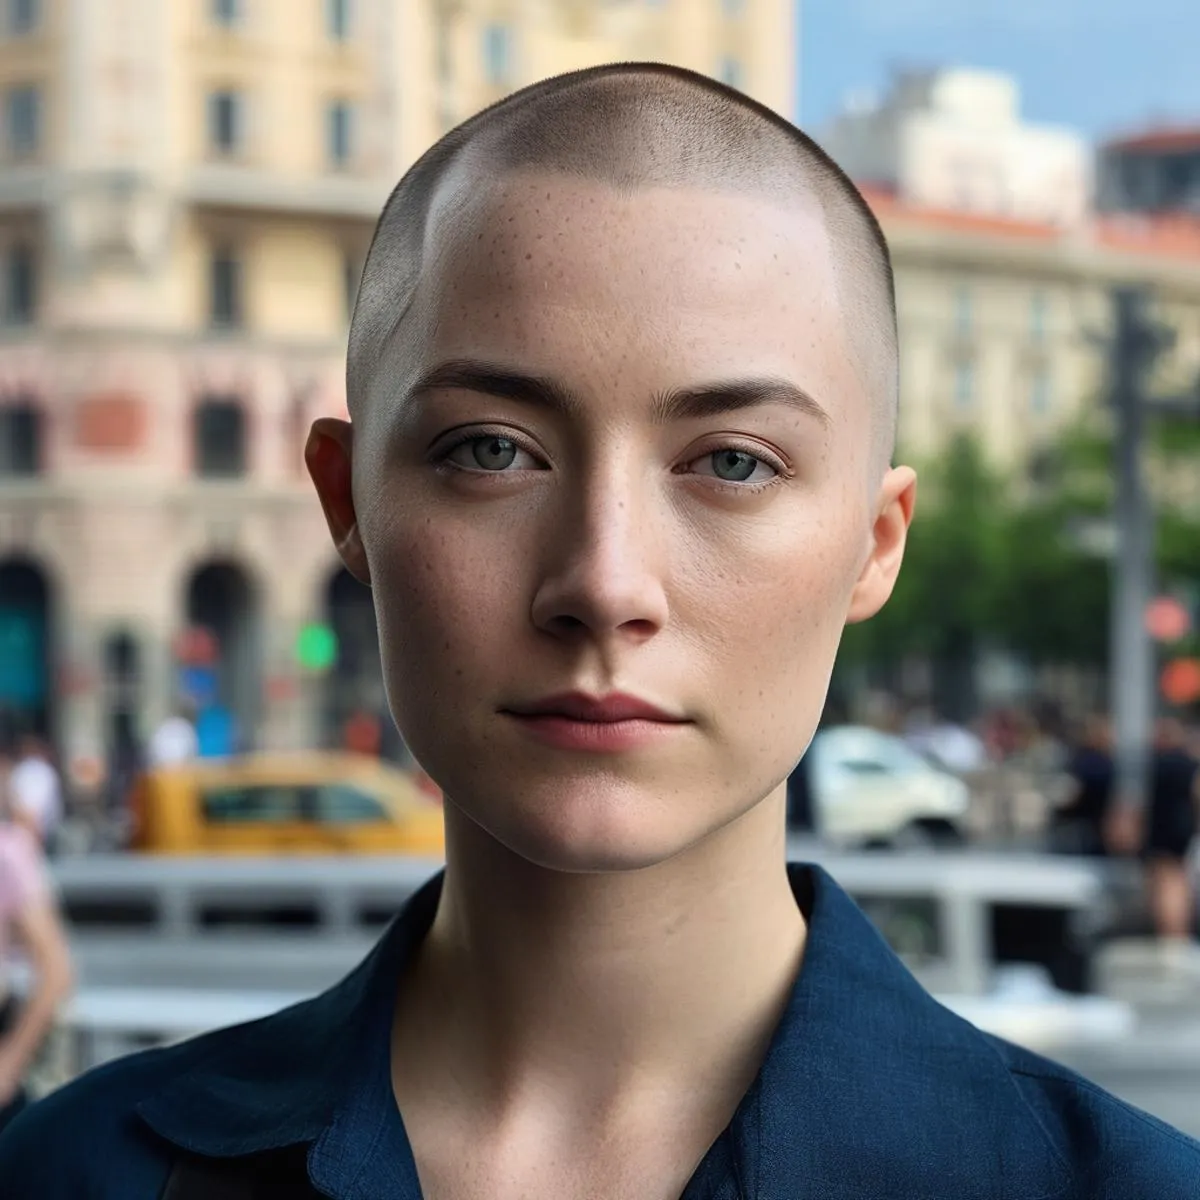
{"x":169,"y":947}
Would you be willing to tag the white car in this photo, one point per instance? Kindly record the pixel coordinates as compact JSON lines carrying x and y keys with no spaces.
{"x":870,"y":789}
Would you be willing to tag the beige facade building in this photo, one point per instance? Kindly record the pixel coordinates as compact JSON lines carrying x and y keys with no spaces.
{"x":187,"y":191}
{"x":999,"y":318}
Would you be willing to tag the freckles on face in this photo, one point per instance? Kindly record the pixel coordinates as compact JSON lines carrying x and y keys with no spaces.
{"x":606,"y":553}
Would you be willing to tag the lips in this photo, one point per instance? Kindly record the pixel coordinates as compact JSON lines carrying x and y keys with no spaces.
{"x":614,"y":724}
{"x":609,"y":709}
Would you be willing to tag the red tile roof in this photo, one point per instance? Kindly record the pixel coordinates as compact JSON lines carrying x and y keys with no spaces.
{"x":1169,"y":236}
{"x":1173,"y":236}
{"x":1180,"y":138}
{"x":887,"y":207}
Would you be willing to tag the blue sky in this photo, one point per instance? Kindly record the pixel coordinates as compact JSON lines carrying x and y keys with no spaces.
{"x":1099,"y":65}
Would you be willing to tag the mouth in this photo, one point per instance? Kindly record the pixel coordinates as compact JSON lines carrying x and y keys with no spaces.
{"x":615,"y":722}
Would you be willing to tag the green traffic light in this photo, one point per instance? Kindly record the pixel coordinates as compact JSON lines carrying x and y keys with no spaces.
{"x":317,"y":647}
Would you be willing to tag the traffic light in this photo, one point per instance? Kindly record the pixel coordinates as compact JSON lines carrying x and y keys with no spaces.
{"x":317,"y":648}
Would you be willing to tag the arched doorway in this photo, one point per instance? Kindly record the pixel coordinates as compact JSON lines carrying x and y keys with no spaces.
{"x":26,"y":632}
{"x":354,"y":684}
{"x":227,"y":691}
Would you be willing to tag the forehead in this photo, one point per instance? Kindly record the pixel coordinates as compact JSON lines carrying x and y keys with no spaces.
{"x":561,"y":274}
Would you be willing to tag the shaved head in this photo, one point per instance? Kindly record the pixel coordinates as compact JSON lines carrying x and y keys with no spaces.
{"x":633,"y":126}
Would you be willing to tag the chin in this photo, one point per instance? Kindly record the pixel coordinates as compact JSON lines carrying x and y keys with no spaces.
{"x":603,"y":831}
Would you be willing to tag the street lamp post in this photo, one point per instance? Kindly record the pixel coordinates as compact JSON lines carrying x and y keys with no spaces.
{"x":1137,"y":343}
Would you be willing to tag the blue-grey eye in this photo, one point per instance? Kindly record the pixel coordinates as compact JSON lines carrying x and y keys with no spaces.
{"x":734,"y":466}
{"x":493,"y":453}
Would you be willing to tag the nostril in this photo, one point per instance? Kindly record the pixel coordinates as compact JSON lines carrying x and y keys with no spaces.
{"x":565,"y":623}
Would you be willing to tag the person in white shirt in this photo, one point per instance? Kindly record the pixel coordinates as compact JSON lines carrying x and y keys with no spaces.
{"x":35,"y":790}
{"x":174,"y":741}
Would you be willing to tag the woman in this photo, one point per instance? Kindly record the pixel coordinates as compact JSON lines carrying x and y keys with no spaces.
{"x":622,"y":389}
{"x":29,"y":920}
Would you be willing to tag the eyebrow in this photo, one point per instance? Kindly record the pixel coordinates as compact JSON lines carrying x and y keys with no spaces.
{"x":678,"y":404}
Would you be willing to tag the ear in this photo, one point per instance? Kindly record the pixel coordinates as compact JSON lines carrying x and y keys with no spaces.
{"x":328,"y":455}
{"x":894,"y":513}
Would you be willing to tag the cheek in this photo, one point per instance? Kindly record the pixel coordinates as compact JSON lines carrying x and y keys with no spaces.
{"x":438,"y":598}
{"x":775,"y":585}
{"x":767,"y":613}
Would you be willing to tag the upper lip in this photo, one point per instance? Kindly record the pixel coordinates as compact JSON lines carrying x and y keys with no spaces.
{"x":578,"y":706}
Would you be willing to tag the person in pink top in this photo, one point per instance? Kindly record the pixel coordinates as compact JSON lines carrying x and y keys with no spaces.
{"x":29,"y":919}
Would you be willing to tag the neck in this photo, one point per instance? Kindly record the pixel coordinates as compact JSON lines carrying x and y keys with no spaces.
{"x":599,"y":988}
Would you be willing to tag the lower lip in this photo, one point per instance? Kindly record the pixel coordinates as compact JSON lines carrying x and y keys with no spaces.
{"x":567,"y":733}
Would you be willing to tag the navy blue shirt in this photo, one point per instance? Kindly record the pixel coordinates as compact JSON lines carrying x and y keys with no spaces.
{"x":870,"y":1088}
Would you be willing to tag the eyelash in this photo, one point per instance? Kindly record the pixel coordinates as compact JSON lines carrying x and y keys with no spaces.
{"x":442,"y":459}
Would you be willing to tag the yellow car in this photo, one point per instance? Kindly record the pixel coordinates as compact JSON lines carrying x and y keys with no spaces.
{"x":263,"y":804}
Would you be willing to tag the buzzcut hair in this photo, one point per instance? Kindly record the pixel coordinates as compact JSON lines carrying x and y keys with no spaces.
{"x":629,"y":126}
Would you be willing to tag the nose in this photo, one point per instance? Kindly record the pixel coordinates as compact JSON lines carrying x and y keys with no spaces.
{"x":605,"y":564}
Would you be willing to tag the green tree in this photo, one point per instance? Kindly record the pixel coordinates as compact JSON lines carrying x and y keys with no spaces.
{"x":1022,"y":564}
{"x":1053,"y":600}
{"x":943,"y":606}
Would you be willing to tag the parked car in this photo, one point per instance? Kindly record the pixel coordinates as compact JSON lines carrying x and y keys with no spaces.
{"x":867,"y":788}
{"x":308,"y":803}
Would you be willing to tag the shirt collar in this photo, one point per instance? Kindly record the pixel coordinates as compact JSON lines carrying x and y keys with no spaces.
{"x":869,"y":1085}
{"x":302,"y":1073}
{"x":872,"y":1087}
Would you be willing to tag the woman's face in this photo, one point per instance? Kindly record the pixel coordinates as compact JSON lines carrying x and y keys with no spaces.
{"x":620,"y":447}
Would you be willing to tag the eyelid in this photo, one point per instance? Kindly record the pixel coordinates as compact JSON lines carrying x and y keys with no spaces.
{"x":453,"y":439}
{"x":776,"y":462}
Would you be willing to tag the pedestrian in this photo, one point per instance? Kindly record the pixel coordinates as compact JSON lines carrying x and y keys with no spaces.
{"x":622,"y":387}
{"x":1077,"y":826}
{"x":28,"y":917}
{"x":1174,"y":804}
{"x":35,"y":791}
{"x":175,"y":741}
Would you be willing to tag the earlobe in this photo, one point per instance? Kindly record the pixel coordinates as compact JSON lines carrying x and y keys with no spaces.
{"x":898,"y":495}
{"x":328,"y":455}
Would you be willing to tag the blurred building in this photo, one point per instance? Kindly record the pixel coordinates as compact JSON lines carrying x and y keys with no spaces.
{"x":998,"y":318}
{"x":187,"y":191}
{"x":954,"y":139}
{"x":1157,"y":171}
{"x":1003,"y":267}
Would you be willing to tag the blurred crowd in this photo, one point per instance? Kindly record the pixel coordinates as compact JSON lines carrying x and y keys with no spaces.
{"x":1051,"y":783}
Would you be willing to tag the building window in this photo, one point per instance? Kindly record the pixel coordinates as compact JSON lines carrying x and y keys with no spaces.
{"x":226,"y":12}
{"x":497,"y":54}
{"x":20,"y":285}
{"x":225,"y":121}
{"x":730,"y":72}
{"x":20,"y":441}
{"x":1039,"y":391}
{"x":225,"y":284}
{"x":339,"y":132}
{"x":337,"y":19}
{"x":23,"y":118}
{"x":220,"y":439}
{"x":1037,"y":316}
{"x":351,"y":275}
{"x":964,"y":383}
{"x":22,"y":16}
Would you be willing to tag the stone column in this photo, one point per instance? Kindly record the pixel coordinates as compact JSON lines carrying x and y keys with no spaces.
{"x":78,"y":679}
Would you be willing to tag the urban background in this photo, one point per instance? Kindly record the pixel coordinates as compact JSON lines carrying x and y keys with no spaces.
{"x":187,"y":192}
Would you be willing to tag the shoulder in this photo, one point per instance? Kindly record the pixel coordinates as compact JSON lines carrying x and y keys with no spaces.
{"x":1115,"y":1151}
{"x":87,"y":1140}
